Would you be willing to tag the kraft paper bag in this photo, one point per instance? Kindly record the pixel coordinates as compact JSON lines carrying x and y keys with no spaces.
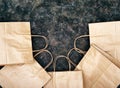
{"x":30,"y":75}
{"x":98,"y":70}
{"x":15,"y":43}
{"x":65,"y":79}
{"x":106,"y":35}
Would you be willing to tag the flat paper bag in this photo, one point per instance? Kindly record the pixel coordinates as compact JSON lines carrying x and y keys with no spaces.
{"x":15,"y":41}
{"x":98,"y":70}
{"x":106,"y":35}
{"x":23,"y":76}
{"x":65,"y":79}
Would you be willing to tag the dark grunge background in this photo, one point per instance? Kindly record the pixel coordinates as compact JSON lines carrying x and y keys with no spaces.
{"x":61,"y":21}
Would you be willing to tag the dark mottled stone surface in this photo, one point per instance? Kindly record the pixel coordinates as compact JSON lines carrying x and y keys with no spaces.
{"x":0,"y":86}
{"x":1,"y":67}
{"x":61,"y":21}
{"x":118,"y":86}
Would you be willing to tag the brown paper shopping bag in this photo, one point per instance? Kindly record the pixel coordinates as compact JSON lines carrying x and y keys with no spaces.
{"x":98,"y":70}
{"x":30,"y":75}
{"x":65,"y":79}
{"x":106,"y":35}
{"x":15,"y":43}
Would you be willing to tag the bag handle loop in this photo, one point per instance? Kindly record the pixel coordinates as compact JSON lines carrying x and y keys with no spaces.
{"x":46,"y":40}
{"x":58,"y":57}
{"x":43,"y":50}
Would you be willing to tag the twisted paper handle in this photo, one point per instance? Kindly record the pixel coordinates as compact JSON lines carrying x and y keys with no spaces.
{"x":43,"y":50}
{"x":61,"y":56}
{"x":83,"y":36}
{"x":46,"y":40}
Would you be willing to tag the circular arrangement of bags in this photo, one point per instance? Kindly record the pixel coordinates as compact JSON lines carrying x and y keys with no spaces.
{"x":99,"y":68}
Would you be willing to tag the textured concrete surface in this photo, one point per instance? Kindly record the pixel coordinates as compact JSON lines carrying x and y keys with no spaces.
{"x":61,"y":21}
